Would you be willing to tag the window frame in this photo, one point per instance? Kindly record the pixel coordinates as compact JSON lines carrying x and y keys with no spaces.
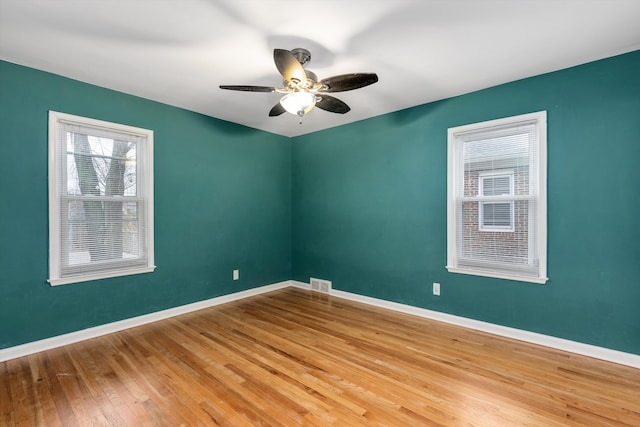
{"x":58,"y":195}
{"x":455,"y":175}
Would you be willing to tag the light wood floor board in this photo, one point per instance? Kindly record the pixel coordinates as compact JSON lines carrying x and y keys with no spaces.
{"x":293,"y":357}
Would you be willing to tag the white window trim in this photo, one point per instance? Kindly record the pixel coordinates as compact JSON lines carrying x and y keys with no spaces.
{"x":55,"y":278}
{"x":541,"y":236}
{"x":508,"y":199}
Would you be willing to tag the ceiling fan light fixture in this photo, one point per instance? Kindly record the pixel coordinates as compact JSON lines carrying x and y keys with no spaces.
{"x":300,"y":86}
{"x":298,"y":103}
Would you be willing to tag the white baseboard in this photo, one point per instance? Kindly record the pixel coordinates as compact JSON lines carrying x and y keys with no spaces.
{"x":589,"y":350}
{"x":85,"y":334}
{"x":596,"y":352}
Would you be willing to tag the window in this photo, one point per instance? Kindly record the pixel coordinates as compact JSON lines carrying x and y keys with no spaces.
{"x":496,"y":213}
{"x":100,"y":199}
{"x":496,"y":216}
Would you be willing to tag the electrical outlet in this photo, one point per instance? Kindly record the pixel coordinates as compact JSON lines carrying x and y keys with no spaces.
{"x":236,"y":274}
{"x":436,"y":288}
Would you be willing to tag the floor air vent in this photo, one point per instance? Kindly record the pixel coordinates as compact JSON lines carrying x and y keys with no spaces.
{"x":320,"y":285}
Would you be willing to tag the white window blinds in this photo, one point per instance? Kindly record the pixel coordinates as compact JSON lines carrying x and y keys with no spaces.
{"x":497,"y":198}
{"x":101,"y":199}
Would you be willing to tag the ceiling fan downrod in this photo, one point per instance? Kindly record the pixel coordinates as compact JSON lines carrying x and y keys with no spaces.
{"x":302,"y":55}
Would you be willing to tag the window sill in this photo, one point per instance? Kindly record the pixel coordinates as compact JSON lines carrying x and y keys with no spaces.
{"x":88,"y":277}
{"x":539,"y":280}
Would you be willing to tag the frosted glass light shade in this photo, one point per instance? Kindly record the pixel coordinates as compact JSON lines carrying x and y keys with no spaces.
{"x":298,"y":103}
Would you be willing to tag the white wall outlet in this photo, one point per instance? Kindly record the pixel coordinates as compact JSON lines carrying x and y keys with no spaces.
{"x":436,"y":288}
{"x":236,"y":274}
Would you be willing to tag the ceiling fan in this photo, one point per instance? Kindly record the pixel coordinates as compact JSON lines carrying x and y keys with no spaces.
{"x":301,"y":88}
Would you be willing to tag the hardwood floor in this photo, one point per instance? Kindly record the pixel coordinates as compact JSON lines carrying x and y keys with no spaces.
{"x":293,"y":357}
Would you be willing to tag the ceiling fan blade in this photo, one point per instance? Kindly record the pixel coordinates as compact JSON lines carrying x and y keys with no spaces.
{"x":277,"y":110}
{"x":331,"y":104}
{"x":288,"y":65}
{"x":345,"y":82}
{"x":245,"y":88}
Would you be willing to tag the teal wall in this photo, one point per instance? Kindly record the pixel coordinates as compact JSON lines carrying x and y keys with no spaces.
{"x":363,"y":205}
{"x":222,"y":202}
{"x":369,"y":206}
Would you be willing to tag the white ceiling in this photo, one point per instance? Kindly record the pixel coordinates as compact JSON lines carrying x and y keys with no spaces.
{"x":179,"y":51}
